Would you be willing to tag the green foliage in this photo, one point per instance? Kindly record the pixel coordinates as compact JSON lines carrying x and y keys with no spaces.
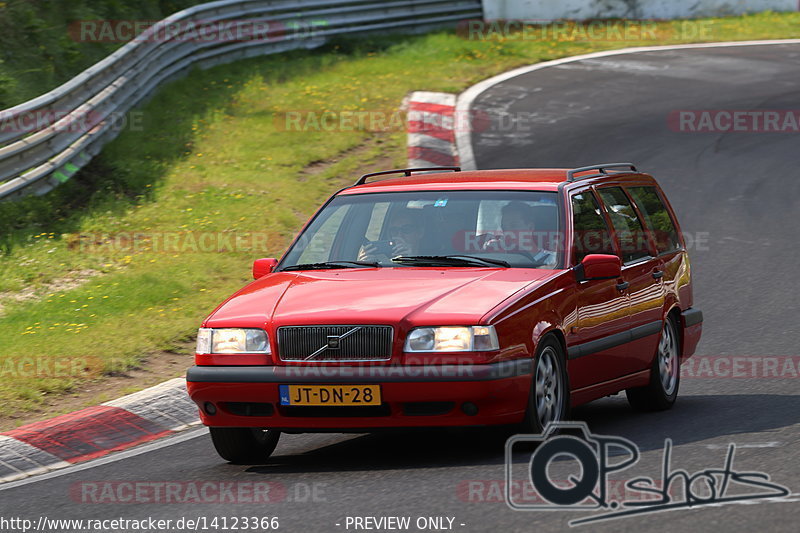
{"x":37,"y":50}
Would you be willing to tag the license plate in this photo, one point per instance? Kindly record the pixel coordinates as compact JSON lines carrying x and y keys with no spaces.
{"x":330,"y":395}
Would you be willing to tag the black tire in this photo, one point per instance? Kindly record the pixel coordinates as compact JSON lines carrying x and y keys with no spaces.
{"x":555,"y":385}
{"x":665,"y":374}
{"x":244,"y":445}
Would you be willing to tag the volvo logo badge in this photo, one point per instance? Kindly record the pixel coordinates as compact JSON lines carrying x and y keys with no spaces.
{"x":333,"y":342}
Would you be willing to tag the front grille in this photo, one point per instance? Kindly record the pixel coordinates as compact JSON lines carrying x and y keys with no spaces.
{"x":335,"y":343}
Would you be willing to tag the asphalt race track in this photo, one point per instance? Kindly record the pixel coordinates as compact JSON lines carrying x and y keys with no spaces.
{"x":737,"y":192}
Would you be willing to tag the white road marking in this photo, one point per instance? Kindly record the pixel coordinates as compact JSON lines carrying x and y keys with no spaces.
{"x":773,"y":444}
{"x":157,"y":445}
{"x":465,"y":99}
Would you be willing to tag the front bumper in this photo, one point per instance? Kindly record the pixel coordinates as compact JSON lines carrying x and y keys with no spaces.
{"x":413,"y":396}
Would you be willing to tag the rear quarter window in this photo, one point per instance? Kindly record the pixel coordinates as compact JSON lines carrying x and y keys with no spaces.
{"x":657,"y":218}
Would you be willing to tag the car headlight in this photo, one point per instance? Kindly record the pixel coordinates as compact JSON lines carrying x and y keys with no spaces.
{"x":232,"y":340}
{"x":452,"y":339}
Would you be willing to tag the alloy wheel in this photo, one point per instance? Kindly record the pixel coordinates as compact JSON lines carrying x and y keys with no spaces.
{"x":668,"y":359}
{"x":549,"y":393}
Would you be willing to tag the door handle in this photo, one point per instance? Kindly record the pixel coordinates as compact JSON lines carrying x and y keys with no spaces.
{"x":658,"y":274}
{"x":622,"y":286}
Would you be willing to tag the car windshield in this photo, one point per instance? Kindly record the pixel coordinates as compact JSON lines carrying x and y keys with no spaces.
{"x":490,"y":229}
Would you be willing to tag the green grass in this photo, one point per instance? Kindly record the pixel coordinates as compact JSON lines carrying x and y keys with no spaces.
{"x":210,"y":159}
{"x":37,"y":50}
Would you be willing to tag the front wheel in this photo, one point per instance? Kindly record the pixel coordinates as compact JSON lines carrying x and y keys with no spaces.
{"x":549,"y":397}
{"x":665,"y":374}
{"x":244,"y":445}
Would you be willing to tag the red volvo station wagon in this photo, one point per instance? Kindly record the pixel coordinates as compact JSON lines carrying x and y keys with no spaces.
{"x":435,"y":297}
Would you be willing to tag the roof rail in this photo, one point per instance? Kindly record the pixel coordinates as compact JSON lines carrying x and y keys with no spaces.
{"x":602,"y":168}
{"x":406,"y":171}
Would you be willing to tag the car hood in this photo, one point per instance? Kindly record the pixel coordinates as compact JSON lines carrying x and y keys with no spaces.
{"x":420,"y":296}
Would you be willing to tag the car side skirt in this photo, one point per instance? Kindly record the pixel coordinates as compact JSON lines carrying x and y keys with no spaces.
{"x":593,"y":392}
{"x":612,"y":341}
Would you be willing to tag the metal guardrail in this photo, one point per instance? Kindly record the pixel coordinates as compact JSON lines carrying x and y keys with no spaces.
{"x":35,"y":160}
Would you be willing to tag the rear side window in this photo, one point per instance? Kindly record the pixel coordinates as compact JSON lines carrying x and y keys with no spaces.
{"x":591,"y":235}
{"x":630,"y":233}
{"x":657,"y":218}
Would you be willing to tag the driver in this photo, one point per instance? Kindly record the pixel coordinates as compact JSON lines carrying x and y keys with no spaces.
{"x":405,"y":232}
{"x":519,"y":235}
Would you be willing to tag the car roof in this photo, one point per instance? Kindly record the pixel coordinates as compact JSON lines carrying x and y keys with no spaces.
{"x":540,"y":179}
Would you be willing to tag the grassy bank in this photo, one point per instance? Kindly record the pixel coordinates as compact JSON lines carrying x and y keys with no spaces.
{"x":213,"y":157}
{"x":39,"y":52}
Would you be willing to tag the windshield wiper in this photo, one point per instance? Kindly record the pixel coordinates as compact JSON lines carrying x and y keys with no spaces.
{"x":450,"y":260}
{"x":327,"y":265}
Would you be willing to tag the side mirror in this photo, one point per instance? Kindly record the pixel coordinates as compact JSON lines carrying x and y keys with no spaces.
{"x":599,"y":266}
{"x":262,"y":267}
